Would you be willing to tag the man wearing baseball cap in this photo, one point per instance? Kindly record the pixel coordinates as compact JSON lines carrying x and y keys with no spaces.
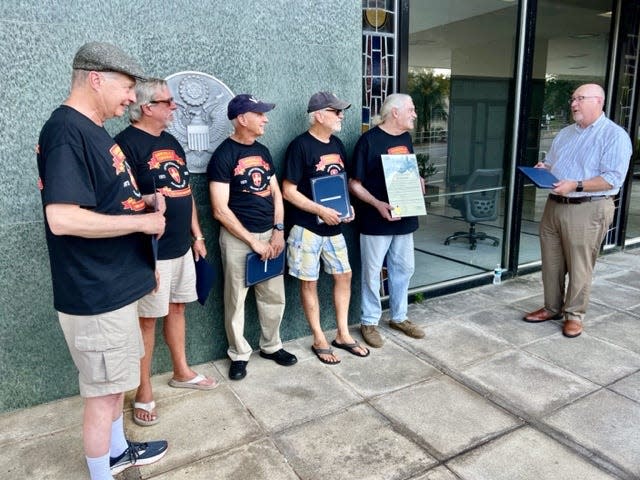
{"x":98,"y":233}
{"x":319,"y":153}
{"x":246,"y":200}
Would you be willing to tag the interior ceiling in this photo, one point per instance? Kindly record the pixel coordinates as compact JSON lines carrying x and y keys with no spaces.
{"x":577,"y":35}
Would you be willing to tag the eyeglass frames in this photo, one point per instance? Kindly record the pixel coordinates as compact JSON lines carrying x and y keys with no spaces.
{"x":580,"y":98}
{"x":166,"y":101}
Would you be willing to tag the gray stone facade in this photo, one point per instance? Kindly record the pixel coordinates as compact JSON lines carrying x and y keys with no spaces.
{"x":280,"y":50}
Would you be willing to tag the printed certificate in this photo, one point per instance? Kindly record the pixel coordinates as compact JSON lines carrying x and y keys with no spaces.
{"x":404,"y":188}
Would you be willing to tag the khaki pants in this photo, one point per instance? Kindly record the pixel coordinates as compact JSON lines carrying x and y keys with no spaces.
{"x":270,"y":299}
{"x":570,"y":239}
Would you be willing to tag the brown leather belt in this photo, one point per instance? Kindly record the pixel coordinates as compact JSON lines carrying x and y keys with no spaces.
{"x":576,"y":200}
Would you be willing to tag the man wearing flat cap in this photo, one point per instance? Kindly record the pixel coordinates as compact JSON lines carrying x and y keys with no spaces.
{"x":99,"y":235}
{"x":246,"y":200}
{"x":316,"y":229}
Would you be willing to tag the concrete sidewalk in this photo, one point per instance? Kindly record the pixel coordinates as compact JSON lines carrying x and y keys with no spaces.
{"x":482,"y":396}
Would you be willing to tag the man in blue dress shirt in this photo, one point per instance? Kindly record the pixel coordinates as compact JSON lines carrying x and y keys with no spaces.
{"x":591,"y":159}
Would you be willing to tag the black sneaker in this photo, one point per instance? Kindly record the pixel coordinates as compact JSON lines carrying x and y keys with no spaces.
{"x":281,"y":357}
{"x":138,"y":454}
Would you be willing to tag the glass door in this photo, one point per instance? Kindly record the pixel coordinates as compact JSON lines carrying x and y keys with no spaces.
{"x":571,"y":48}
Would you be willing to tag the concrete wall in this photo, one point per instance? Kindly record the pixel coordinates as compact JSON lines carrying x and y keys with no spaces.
{"x":279,"y":50}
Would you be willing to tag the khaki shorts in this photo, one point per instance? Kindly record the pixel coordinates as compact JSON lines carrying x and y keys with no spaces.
{"x":305,"y":248}
{"x":106,"y":350}
{"x":177,"y":285}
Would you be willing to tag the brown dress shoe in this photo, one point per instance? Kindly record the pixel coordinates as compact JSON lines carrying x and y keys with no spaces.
{"x":541,"y":315}
{"x":572,"y":328}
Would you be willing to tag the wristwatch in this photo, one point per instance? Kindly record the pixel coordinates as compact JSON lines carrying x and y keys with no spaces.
{"x":279,"y":227}
{"x":579,"y":187}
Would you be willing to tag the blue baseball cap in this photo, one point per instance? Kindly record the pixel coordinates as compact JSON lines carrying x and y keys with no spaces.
{"x":244,"y":103}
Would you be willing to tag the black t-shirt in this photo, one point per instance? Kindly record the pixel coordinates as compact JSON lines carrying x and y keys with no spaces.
{"x":79,"y":164}
{"x":162,"y":160}
{"x":248,"y":170}
{"x":306,"y":158}
{"x":367,"y":168}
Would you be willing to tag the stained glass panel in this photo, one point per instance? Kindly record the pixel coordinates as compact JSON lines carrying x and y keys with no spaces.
{"x":379,"y":27}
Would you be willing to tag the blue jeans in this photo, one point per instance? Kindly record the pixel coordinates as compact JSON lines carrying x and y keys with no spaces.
{"x":400,"y":266}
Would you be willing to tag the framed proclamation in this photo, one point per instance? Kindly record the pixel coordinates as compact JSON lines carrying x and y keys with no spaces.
{"x":404,"y":188}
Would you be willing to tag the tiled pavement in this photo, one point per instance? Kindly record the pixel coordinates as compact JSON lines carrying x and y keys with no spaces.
{"x":482,"y":396}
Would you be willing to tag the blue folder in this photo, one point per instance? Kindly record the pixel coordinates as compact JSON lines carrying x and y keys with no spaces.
{"x":331,"y":191}
{"x":258,"y":271}
{"x":205,"y":276}
{"x":541,"y":177}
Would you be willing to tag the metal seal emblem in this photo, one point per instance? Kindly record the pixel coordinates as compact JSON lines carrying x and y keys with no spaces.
{"x":200,"y":122}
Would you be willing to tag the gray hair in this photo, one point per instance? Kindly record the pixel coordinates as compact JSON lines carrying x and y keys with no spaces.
{"x":145,"y":90}
{"x":395,"y":100}
{"x":78,"y":77}
{"x":311,"y":116}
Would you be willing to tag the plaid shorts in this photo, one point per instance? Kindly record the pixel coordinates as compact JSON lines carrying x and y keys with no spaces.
{"x":305,"y":249}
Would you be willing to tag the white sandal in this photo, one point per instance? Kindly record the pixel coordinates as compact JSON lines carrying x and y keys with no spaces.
{"x":147,"y":407}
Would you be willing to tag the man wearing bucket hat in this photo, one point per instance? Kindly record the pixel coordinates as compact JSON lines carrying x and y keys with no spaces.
{"x":246,"y":200}
{"x":313,"y":154}
{"x":98,"y":234}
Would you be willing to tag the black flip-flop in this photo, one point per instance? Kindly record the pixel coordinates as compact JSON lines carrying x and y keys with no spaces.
{"x":351,"y":348}
{"x":324,"y":351}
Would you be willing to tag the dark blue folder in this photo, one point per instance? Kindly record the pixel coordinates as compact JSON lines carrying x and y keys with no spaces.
{"x":331,"y":191}
{"x":258,"y":271}
{"x":541,"y":177}
{"x":205,"y":276}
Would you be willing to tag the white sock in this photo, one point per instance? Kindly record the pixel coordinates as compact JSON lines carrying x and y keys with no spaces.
{"x":118,"y":440}
{"x":99,"y":467}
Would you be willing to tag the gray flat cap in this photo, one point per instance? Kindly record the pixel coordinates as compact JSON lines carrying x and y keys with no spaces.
{"x":105,"y":57}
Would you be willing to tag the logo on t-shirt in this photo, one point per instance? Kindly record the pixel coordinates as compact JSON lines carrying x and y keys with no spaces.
{"x":255,"y":175}
{"x":400,"y":149}
{"x":161,"y":156}
{"x":330,"y":163}
{"x":118,"y":158}
{"x":137,"y":205}
{"x":172,"y":178}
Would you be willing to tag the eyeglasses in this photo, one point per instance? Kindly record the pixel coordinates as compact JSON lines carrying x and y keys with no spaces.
{"x":580,"y":98}
{"x":337,"y":112}
{"x":166,"y":101}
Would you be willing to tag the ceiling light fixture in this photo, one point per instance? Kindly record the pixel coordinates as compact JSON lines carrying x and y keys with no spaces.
{"x":583,"y":36}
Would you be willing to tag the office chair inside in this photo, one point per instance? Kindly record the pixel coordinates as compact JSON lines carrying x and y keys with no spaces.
{"x":478,"y":205}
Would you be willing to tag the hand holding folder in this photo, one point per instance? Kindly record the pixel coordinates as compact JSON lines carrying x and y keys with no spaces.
{"x":331,"y":191}
{"x":258,"y":271}
{"x":541,"y":177}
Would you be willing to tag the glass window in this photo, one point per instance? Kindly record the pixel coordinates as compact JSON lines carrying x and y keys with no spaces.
{"x":461,"y":63}
{"x":627,"y":98}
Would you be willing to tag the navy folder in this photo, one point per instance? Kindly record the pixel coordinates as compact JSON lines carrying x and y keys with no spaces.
{"x":258,"y":271}
{"x":331,"y":191}
{"x":541,"y":177}
{"x":204,"y":279}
